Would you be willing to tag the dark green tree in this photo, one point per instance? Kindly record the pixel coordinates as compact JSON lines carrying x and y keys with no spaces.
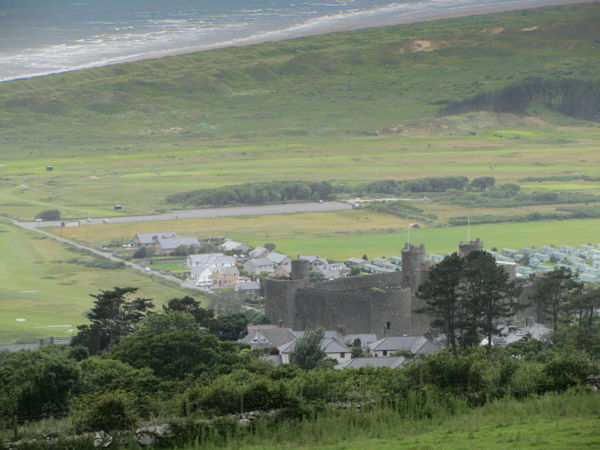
{"x":550,"y":292}
{"x":307,"y":353}
{"x":189,"y":305}
{"x":482,"y":183}
{"x":172,"y":346}
{"x":49,"y":214}
{"x":442,"y":295}
{"x":229,"y":327}
{"x":489,"y":294}
{"x":114,"y":315}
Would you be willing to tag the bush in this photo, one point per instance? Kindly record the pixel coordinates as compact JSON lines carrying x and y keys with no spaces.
{"x":49,"y":214}
{"x":569,"y":369}
{"x":107,"y":412}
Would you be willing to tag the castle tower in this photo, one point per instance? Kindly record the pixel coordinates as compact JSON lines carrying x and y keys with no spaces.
{"x":300,"y":270}
{"x":465,"y":248}
{"x":414,"y":269}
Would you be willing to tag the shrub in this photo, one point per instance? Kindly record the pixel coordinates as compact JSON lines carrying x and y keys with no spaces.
{"x":107,"y":412}
{"x":566,"y":369}
{"x":49,"y":214}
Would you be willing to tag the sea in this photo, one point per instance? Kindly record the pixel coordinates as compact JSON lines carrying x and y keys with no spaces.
{"x":40,"y":37}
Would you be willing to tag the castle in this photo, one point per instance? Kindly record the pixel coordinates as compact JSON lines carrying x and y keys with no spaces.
{"x":382,"y":304}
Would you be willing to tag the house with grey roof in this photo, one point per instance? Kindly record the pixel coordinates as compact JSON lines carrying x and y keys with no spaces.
{"x":385,"y":361}
{"x":417,"y":345}
{"x":283,"y":263}
{"x":355,"y":262}
{"x":258,"y":252}
{"x":168,"y":244}
{"x":210,"y":259}
{"x":248,"y":288}
{"x":268,"y":336}
{"x":230,"y":245}
{"x":149,"y":239}
{"x":313,"y":261}
{"x":331,"y":347}
{"x":257,"y":266}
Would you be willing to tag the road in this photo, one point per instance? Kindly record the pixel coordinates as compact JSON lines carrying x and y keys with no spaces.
{"x":288,"y":208}
{"x":188,"y":214}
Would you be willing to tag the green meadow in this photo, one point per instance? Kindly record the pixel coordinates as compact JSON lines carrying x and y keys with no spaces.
{"x":344,"y":107}
{"x":52,"y":294}
{"x":348,"y":108}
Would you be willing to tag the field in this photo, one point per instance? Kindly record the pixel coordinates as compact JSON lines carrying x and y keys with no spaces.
{"x":39,"y":285}
{"x":344,"y":107}
{"x":343,"y":234}
{"x":347,"y":108}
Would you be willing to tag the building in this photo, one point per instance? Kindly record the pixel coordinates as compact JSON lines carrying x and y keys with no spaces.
{"x":259,"y":265}
{"x":268,"y":336}
{"x":390,"y":346}
{"x":331,"y":347}
{"x":149,"y":239}
{"x":385,"y":361}
{"x":164,"y":245}
{"x":224,"y":277}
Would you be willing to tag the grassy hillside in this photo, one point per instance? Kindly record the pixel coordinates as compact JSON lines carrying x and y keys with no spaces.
{"x":345,"y":107}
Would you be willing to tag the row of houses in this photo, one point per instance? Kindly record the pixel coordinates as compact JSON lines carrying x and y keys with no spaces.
{"x":386,"y":351}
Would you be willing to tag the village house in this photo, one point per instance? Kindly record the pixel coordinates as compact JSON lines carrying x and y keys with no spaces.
{"x":355,"y":262}
{"x":149,"y":239}
{"x":389,"y":346}
{"x":163,"y":245}
{"x":224,"y":277}
{"x":249,"y":289}
{"x":331,"y":347}
{"x":210,"y":259}
{"x":283,"y":263}
{"x":314,"y":261}
{"x":233,"y":246}
{"x":259,"y":265}
{"x":258,"y":252}
{"x":268,"y":336}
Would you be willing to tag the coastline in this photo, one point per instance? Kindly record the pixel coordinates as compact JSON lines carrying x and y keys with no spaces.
{"x":301,"y":30}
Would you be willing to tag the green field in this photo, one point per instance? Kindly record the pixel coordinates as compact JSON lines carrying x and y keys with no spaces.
{"x":348,"y":108}
{"x":345,"y":107}
{"x":39,"y":285}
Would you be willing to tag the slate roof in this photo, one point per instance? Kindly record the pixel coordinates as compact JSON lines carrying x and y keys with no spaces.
{"x":277,"y":258}
{"x":417,"y":345}
{"x":148,"y":238}
{"x":227,"y":270}
{"x":173,"y":243}
{"x":328,"y":345}
{"x":261,"y":262}
{"x":268,"y":337}
{"x":206,"y":258}
{"x":384,"y":361}
{"x":247,"y":286}
{"x":258,"y":252}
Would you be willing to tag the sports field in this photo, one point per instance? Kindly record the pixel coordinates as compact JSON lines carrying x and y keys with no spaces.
{"x":50,"y":293}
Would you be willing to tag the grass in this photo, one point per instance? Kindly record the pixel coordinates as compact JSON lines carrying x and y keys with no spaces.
{"x":41,"y":286}
{"x":552,"y":421}
{"x":343,"y":234}
{"x":313,"y":108}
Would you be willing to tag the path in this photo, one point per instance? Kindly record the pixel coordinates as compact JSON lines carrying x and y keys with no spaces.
{"x":288,"y":208}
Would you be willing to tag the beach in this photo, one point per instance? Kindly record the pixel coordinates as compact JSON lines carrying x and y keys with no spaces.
{"x":129,"y":36}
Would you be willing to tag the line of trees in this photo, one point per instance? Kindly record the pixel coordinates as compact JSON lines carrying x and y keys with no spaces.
{"x":255,"y":194}
{"x":572,"y":97}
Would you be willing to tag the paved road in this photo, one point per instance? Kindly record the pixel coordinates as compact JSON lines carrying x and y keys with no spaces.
{"x":209,"y":213}
{"x":108,"y":255}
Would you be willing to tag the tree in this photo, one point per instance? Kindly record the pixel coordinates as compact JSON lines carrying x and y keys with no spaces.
{"x":482,"y":183}
{"x":143,"y":252}
{"x":442,"y":295}
{"x":113,"y":316}
{"x":225,"y":301}
{"x":229,"y":327}
{"x":314,"y":275}
{"x":488,"y":294}
{"x":582,"y":303}
{"x":48,"y":214}
{"x":551,"y":290}
{"x":188,"y":305}
{"x":270,"y":246}
{"x":307,"y":353}
{"x":172,"y":346}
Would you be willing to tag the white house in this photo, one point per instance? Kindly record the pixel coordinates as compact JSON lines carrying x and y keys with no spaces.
{"x":210,"y":259}
{"x":331,"y":347}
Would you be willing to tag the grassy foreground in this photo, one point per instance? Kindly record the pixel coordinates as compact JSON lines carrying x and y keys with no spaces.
{"x":554,"y":421}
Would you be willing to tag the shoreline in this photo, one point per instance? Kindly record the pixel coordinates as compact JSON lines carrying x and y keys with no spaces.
{"x":289,"y":34}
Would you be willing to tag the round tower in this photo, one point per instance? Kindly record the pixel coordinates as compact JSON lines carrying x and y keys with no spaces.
{"x":465,"y":248}
{"x":300,"y":270}
{"x":414,"y":269}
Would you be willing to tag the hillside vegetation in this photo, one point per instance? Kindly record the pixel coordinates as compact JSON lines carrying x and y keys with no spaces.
{"x":350,"y":107}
